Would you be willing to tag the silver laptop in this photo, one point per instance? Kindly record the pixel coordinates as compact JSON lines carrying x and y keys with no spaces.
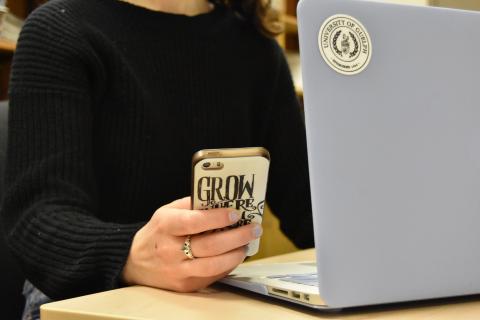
{"x":393,"y":127}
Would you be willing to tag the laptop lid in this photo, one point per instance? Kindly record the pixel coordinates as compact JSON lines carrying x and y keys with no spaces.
{"x":394,"y":149}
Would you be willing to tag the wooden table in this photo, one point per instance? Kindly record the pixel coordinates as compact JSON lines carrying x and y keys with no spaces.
{"x":222,"y":302}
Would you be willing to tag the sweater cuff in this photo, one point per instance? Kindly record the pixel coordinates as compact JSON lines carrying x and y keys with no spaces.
{"x":117,"y":242}
{"x":66,"y":254}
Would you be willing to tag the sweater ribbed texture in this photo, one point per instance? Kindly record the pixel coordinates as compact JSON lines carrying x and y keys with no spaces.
{"x":108,"y":103}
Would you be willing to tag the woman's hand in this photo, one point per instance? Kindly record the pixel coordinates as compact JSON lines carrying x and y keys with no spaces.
{"x":156,"y":258}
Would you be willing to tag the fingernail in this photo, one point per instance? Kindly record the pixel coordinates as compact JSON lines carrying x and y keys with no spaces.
{"x":257,"y":231}
{"x":234,"y":216}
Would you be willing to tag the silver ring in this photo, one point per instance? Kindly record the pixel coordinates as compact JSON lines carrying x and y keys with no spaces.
{"x":187,"y":248}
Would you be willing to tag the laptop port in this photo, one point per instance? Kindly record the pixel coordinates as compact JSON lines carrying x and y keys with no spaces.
{"x":306,"y":297}
{"x":280,"y":291}
{"x":296,"y":295}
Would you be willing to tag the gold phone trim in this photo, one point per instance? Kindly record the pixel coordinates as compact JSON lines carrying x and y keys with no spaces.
{"x":224,"y":153}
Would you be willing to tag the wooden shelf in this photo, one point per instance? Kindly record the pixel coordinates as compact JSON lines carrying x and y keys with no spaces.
{"x":290,"y":24}
{"x":7,"y":46}
{"x":20,"y":8}
{"x":293,"y":59}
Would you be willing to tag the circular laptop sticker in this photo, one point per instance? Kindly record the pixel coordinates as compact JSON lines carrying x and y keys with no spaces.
{"x":345,"y":44}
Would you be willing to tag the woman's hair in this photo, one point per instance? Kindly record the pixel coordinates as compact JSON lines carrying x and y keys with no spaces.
{"x":257,"y":12}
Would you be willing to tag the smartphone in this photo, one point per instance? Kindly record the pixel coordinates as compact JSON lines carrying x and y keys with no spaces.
{"x":232,"y":178}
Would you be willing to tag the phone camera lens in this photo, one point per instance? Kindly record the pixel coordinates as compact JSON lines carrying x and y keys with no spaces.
{"x":206,"y":164}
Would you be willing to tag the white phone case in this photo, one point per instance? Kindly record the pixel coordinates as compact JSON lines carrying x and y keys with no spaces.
{"x":234,"y":178}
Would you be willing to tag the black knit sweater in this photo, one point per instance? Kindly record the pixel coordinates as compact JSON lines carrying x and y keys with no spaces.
{"x":108,"y":103}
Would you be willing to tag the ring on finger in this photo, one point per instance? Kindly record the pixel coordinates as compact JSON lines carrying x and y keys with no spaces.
{"x":187,"y":248}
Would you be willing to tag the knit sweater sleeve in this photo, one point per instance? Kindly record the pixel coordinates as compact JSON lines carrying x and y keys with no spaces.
{"x":50,"y":207}
{"x":288,"y":192}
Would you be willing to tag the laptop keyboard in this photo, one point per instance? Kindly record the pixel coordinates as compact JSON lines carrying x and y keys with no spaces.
{"x":308,"y":279}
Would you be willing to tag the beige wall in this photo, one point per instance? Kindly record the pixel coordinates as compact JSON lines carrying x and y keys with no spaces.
{"x":418,"y":2}
{"x":462,"y":4}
